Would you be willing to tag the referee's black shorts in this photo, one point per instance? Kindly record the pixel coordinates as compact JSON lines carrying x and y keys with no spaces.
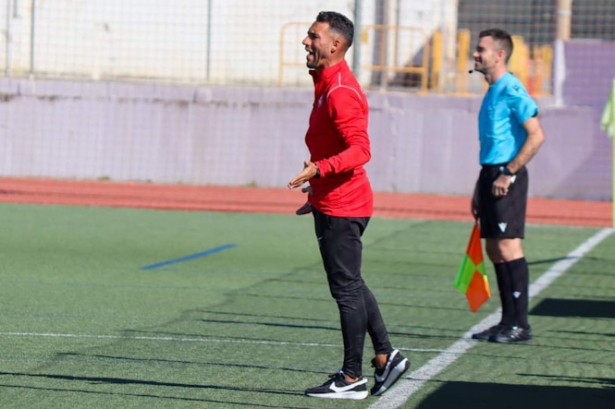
{"x":502,"y":217}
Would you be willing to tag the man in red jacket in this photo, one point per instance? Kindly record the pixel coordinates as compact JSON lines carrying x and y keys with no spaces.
{"x":341,"y":201}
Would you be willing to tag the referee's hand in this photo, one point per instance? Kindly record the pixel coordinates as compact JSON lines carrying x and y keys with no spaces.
{"x":474,"y":210}
{"x":501,"y":185}
{"x":474,"y":206}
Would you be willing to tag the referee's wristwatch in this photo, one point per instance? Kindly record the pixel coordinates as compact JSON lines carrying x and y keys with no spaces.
{"x":505,"y":171}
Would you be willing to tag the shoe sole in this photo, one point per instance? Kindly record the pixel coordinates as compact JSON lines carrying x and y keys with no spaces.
{"x":340,"y":395}
{"x":393,"y":377}
{"x":525,"y":341}
{"x":485,"y":337}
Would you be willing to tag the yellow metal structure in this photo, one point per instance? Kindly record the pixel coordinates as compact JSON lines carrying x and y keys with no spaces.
{"x":397,"y":33}
{"x":519,"y":61}
{"x":463,"y":56}
{"x":387,"y":35}
{"x":436,"y":61}
{"x":391,"y":43}
{"x":542,"y":62}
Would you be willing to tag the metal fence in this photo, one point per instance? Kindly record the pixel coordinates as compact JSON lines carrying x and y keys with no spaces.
{"x":408,"y":45}
{"x":82,"y":116}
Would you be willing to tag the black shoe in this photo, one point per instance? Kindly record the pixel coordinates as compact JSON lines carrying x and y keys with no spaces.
{"x":338,"y":388}
{"x":385,"y":377}
{"x":512,"y":335}
{"x":489,"y":332}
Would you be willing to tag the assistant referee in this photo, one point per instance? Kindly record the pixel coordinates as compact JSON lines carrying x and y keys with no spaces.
{"x":510,"y":134}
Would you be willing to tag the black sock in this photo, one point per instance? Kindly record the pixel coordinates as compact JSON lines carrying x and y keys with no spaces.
{"x":520,"y":279}
{"x":506,"y":297}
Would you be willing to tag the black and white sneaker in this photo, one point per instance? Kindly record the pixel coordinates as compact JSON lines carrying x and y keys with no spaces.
{"x":338,"y":388}
{"x":512,"y":335}
{"x":385,"y":377}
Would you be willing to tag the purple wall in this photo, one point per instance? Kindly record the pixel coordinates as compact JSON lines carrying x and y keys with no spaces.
{"x":590,"y":70}
{"x":239,"y":136}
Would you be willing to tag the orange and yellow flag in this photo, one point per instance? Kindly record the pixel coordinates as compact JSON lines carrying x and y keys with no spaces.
{"x":471,"y":278}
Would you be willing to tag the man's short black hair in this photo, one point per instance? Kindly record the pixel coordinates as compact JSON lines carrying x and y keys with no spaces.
{"x":502,"y":38}
{"x":338,"y":23}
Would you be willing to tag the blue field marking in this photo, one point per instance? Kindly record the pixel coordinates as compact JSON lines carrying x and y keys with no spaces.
{"x":190,"y":257}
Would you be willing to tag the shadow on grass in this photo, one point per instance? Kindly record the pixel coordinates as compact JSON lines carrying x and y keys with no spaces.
{"x":269,"y":324}
{"x":126,"y":381}
{"x":148,"y":361}
{"x":320,"y":327}
{"x":331,"y":301}
{"x":502,"y":396}
{"x":549,"y":260}
{"x":608,"y":382}
{"x":144,"y":395}
{"x":553,"y":307}
{"x":93,"y":380}
{"x":602,"y":334}
{"x":456,"y":331}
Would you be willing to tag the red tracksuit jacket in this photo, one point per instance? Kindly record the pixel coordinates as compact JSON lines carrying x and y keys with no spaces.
{"x":339,"y":144}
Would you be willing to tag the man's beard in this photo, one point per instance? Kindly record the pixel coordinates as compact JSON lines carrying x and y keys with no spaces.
{"x":312,"y":64}
{"x":482,"y":69}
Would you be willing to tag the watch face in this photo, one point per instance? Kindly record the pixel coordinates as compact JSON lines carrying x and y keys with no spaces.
{"x":504,"y":170}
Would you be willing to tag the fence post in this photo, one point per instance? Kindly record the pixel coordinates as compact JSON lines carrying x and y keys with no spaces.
{"x":356,"y":52}
{"x":564,"y":18}
{"x":7,"y":69}
{"x":385,"y":44}
{"x":208,"y":56}
{"x":32,"y":36}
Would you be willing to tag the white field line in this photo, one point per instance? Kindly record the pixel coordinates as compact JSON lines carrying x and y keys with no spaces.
{"x":415,"y":380}
{"x":179,"y":339}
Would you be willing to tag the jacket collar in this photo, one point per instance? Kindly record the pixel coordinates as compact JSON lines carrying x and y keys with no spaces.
{"x":328,"y":73}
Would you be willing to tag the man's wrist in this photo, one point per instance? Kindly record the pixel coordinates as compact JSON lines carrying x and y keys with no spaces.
{"x":505,"y":171}
{"x":317,"y":175}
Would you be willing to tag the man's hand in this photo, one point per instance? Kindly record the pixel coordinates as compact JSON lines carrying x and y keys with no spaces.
{"x":475,"y":208}
{"x":309,"y":171}
{"x":501,"y":185}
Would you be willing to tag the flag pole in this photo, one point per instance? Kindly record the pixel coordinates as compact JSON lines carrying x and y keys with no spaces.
{"x":611,"y":103}
{"x":607,"y":124}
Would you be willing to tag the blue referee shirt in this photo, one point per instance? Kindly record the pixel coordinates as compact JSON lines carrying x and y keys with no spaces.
{"x":505,"y":108}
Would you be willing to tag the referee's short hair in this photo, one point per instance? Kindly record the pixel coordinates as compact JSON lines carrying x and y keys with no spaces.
{"x":338,"y":23}
{"x":502,"y":39}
